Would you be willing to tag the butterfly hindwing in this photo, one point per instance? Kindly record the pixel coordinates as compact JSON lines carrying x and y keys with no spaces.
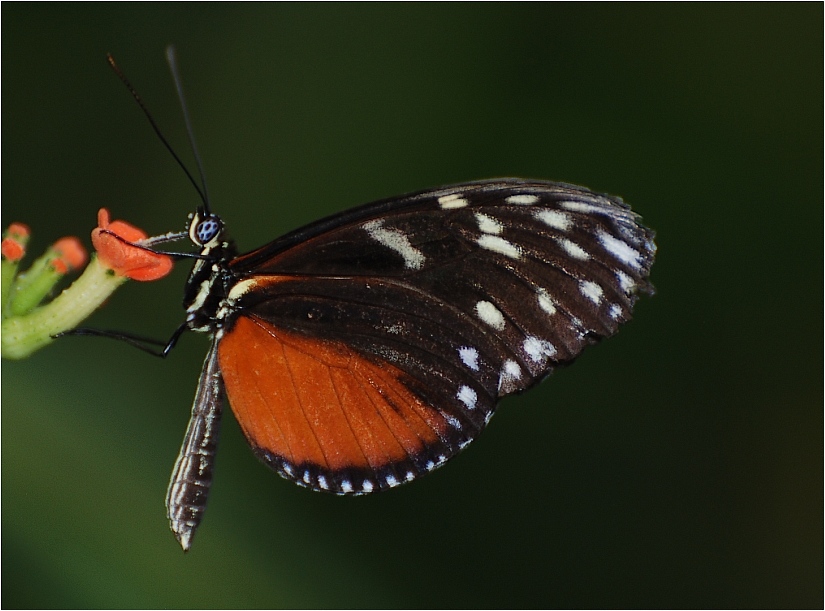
{"x":437,"y":304}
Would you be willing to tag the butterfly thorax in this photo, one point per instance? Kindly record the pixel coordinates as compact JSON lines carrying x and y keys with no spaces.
{"x":210,"y":279}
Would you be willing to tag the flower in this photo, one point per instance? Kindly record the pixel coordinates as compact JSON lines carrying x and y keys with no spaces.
{"x":14,"y":242}
{"x":70,"y":255}
{"x":115,"y":245}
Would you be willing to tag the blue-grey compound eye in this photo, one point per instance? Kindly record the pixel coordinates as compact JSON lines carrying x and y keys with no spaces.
{"x":207,"y":229}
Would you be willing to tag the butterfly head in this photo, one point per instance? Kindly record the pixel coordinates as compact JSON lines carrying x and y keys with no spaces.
{"x":205,"y":229}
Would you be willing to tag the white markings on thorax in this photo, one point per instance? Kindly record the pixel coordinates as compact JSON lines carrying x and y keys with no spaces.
{"x":490,"y":314}
{"x":203,"y":292}
{"x":396,"y":240}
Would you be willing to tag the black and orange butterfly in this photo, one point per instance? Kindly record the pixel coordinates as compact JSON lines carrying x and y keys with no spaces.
{"x":370,"y":347}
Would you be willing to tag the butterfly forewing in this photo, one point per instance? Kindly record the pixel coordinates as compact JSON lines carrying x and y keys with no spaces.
{"x":393,"y":329}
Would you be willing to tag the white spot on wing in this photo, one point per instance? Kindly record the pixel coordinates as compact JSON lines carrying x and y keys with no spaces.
{"x":453,"y":421}
{"x":511,"y":368}
{"x":499,"y":245}
{"x":448,"y":202}
{"x":573,"y":249}
{"x":621,"y":250}
{"x":396,"y":240}
{"x":367,"y":485}
{"x":538,"y":350}
{"x":508,"y":376}
{"x":410,"y":476}
{"x":615,"y":311}
{"x":555,"y":219}
{"x":522,"y":200}
{"x":490,"y":314}
{"x":625,"y":282}
{"x":240,"y":289}
{"x":391,"y":481}
{"x":467,"y":396}
{"x":469,"y":356}
{"x":575,"y":206}
{"x":591,"y":290}
{"x":346,"y":486}
{"x":488,"y":224}
{"x":545,"y":303}
{"x":322,"y":482}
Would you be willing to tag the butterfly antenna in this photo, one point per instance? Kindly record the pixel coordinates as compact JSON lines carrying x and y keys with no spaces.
{"x":172,"y":59}
{"x":136,"y":96}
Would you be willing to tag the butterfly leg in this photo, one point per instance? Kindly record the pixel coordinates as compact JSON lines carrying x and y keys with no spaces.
{"x":137,"y":341}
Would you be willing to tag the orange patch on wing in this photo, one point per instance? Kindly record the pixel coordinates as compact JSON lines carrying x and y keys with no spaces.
{"x":317,"y":401}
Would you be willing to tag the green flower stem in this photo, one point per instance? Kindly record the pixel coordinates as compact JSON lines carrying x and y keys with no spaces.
{"x":23,"y":335}
{"x":32,"y":286}
{"x":8,"y":270}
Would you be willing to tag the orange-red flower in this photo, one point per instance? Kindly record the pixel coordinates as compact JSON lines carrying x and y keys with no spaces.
{"x":70,"y":255}
{"x":14,"y":243}
{"x":124,"y":258}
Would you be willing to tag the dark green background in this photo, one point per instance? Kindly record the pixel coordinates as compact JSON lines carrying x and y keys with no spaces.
{"x":676,"y":465}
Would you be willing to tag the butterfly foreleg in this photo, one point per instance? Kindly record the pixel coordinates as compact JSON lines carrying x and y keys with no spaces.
{"x":137,"y":341}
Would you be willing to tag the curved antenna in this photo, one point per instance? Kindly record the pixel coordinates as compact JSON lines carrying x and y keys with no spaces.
{"x":154,"y":125}
{"x":172,"y":60}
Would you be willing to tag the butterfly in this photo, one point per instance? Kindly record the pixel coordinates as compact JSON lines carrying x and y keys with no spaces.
{"x":368,"y":348}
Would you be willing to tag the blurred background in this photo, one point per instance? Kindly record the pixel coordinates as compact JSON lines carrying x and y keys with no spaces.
{"x":679,"y":464}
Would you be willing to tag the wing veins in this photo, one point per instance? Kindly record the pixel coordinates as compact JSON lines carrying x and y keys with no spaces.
{"x":360,"y":381}
{"x":349,"y":422}
{"x":298,"y":396}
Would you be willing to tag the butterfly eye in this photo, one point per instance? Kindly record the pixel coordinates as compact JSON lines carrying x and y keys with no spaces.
{"x":207,"y":229}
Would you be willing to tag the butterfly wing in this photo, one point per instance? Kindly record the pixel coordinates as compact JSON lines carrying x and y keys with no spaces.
{"x":370,"y":347}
